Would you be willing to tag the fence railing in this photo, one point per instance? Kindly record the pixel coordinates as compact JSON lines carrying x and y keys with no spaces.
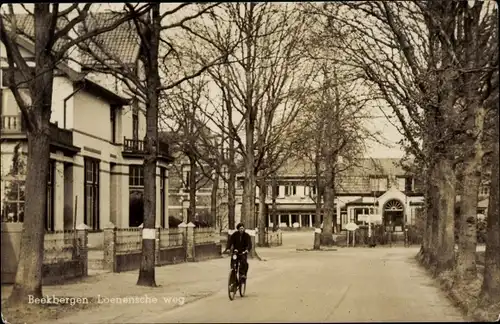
{"x":132,"y":145}
{"x":205,"y":235}
{"x":175,"y":237}
{"x":59,"y":246}
{"x":122,"y":247}
{"x":65,"y":253}
{"x":128,"y":239}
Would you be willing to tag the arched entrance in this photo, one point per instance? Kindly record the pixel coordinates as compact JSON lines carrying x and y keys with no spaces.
{"x":393,"y":216}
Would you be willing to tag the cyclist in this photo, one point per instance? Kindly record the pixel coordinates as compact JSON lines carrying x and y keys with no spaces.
{"x":240,"y":241}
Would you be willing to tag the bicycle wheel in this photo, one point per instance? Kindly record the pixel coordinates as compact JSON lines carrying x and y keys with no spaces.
{"x":231,"y":286}
{"x":242,"y":287}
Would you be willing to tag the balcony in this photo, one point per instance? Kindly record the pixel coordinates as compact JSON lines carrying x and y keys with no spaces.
{"x":135,"y":148}
{"x":13,"y":127}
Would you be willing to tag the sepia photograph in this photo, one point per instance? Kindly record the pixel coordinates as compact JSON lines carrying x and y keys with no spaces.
{"x":250,"y":162}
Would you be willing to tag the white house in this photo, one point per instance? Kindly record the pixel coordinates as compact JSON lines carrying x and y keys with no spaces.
{"x":96,"y":173}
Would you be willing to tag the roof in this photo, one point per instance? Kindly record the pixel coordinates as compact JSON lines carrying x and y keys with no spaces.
{"x":363,"y":167}
{"x":121,"y":42}
{"x":115,"y":40}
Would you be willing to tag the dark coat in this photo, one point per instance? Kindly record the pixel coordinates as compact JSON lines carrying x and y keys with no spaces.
{"x":240,"y":242}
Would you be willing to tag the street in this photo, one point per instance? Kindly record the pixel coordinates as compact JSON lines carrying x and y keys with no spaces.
{"x":340,"y":286}
{"x":346,"y":285}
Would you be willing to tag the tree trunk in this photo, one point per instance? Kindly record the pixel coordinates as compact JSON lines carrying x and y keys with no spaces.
{"x":426,"y":250}
{"x":432,"y":213}
{"x":329,"y":210}
{"x":192,"y":189}
{"x":490,"y":290}
{"x":28,"y":281}
{"x":147,"y":269}
{"x":467,"y":239}
{"x":317,"y":220}
{"x":231,"y":185}
{"x":213,"y":201}
{"x":231,"y":197}
{"x":262,"y":212}
{"x":248,"y":203}
{"x":274,"y":209}
{"x":445,"y":253}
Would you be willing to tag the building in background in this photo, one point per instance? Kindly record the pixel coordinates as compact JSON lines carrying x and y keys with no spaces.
{"x":372,"y":187}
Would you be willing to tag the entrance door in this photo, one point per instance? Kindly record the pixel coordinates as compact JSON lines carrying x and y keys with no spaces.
{"x":393,"y":216}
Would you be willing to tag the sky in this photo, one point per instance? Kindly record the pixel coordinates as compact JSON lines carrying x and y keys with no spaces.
{"x":376,"y":150}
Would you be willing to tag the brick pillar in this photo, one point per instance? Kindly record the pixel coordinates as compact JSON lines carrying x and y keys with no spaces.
{"x":157,"y":246}
{"x":190,"y":252}
{"x":82,"y":239}
{"x":183,"y":227}
{"x":109,"y":247}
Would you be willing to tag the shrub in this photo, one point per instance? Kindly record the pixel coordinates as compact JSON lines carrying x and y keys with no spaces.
{"x":173,"y":221}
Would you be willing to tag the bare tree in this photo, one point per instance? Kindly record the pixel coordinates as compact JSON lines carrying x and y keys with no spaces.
{"x":259,"y":77}
{"x":403,"y":50}
{"x":397,"y":53}
{"x":155,"y":33}
{"x":53,"y":40}
{"x":189,"y":127}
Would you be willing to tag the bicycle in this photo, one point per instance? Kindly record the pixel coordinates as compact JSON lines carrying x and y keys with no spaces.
{"x":235,"y":283}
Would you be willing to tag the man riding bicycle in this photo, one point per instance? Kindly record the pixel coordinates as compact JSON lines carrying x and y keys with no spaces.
{"x":241,"y":242}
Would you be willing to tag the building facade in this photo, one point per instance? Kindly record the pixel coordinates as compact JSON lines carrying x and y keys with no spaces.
{"x":97,"y":150}
{"x":376,"y":190}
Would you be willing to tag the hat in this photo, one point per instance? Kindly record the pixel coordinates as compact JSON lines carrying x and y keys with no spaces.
{"x":239,"y":225}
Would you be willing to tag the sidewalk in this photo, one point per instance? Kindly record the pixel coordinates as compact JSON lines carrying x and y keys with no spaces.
{"x":179,"y":284}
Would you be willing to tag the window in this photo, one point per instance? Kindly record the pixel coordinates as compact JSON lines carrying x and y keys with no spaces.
{"x":162,"y":196}
{"x":188,"y":177}
{"x":49,"y":217}
{"x":409,"y":184}
{"x":484,"y":191}
{"x":378,"y":183}
{"x":136,"y":198}
{"x":112,"y":118}
{"x":13,"y":204}
{"x":363,"y":219}
{"x":136,"y":176}
{"x":290,"y":190}
{"x":313,"y":190}
{"x":91,"y":174}
{"x":401,"y":183}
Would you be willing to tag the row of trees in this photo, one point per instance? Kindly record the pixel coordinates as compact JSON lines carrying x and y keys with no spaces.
{"x":250,"y":53}
{"x":436,"y":65}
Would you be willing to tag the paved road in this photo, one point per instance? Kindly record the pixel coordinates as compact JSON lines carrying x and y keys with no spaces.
{"x":349,"y":284}
{"x":361,"y":284}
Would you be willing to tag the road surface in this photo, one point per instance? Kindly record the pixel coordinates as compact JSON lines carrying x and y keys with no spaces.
{"x":346,"y":285}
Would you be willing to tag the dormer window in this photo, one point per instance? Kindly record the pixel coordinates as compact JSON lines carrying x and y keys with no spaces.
{"x":378,"y":183}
